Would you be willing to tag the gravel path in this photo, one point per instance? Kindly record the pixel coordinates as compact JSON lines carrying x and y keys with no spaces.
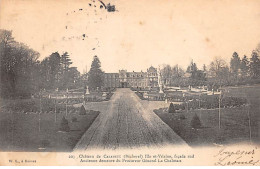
{"x":127,"y":124}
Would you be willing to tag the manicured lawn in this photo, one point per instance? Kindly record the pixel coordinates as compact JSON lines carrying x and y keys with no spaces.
{"x":234,"y":126}
{"x":234,"y":121}
{"x":19,"y":131}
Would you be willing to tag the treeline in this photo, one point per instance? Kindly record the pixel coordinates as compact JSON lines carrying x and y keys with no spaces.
{"x":56,"y":72}
{"x":240,"y":71}
{"x":22,"y":74}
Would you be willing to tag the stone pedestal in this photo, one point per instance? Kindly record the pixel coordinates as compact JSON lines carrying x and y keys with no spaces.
{"x":87,"y":90}
{"x":161,"y":91}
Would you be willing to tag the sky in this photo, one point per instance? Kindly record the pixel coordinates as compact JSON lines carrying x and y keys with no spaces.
{"x":139,"y":34}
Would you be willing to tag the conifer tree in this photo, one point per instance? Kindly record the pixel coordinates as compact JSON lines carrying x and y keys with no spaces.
{"x":95,"y":79}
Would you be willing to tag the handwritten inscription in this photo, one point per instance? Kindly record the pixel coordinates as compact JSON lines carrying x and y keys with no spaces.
{"x":240,"y":157}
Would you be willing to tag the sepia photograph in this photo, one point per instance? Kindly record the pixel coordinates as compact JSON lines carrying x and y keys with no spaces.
{"x":114,"y":82}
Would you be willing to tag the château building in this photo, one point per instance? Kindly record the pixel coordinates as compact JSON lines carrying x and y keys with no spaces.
{"x":133,"y":79}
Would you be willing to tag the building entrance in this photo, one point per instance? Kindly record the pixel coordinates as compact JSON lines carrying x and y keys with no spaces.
{"x":124,"y":84}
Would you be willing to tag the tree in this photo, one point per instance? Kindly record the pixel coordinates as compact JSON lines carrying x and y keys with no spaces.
{"x":177,"y":72}
{"x":192,"y":68}
{"x":244,"y":66}
{"x":219,"y":72}
{"x":82,"y":110}
{"x":50,"y":71}
{"x":177,"y":76}
{"x":195,"y":122}
{"x":73,"y":77}
{"x":25,"y":60}
{"x":56,"y":72}
{"x":204,"y":68}
{"x":22,"y":74}
{"x":54,"y":68}
{"x":197,"y":77}
{"x":166,"y":74}
{"x":7,"y":61}
{"x":171,"y":108}
{"x":254,"y":65}
{"x":17,"y":63}
{"x":64,"y":125}
{"x":65,"y":62}
{"x":235,"y":64}
{"x":95,"y":79}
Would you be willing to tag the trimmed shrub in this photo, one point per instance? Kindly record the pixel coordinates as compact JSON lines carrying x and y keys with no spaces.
{"x":171,"y":108}
{"x":82,"y":110}
{"x":195,"y":122}
{"x":64,"y":125}
{"x":182,"y":117}
{"x":74,"y":119}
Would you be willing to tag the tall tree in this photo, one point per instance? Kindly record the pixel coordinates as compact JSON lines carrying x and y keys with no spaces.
{"x":197,"y":77}
{"x":192,"y":68}
{"x":95,"y":79}
{"x":166,"y":74}
{"x":57,"y":73}
{"x":7,"y":61}
{"x":177,"y":72}
{"x":244,"y":66}
{"x":65,"y":62}
{"x":204,"y":68}
{"x":44,"y":74}
{"x":50,"y":71}
{"x":177,"y":76}
{"x":24,"y":69}
{"x":55,"y":64}
{"x":235,"y":64}
{"x":17,"y":62}
{"x":219,"y":72}
{"x":254,"y":65}
{"x":73,"y":77}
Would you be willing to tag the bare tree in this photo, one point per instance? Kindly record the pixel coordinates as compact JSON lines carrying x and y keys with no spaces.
{"x":218,"y":71}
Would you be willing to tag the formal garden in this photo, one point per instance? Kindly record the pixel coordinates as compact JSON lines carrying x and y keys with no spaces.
{"x":41,"y":100}
{"x":205,"y":123}
{"x":44,"y":124}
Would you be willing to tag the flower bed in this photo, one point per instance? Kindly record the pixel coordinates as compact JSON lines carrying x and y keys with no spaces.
{"x":109,"y":95}
{"x":43,"y":105}
{"x":211,"y":103}
{"x":140,"y":95}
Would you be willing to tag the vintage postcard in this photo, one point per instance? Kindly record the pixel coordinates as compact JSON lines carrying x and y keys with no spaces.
{"x":117,"y":82}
